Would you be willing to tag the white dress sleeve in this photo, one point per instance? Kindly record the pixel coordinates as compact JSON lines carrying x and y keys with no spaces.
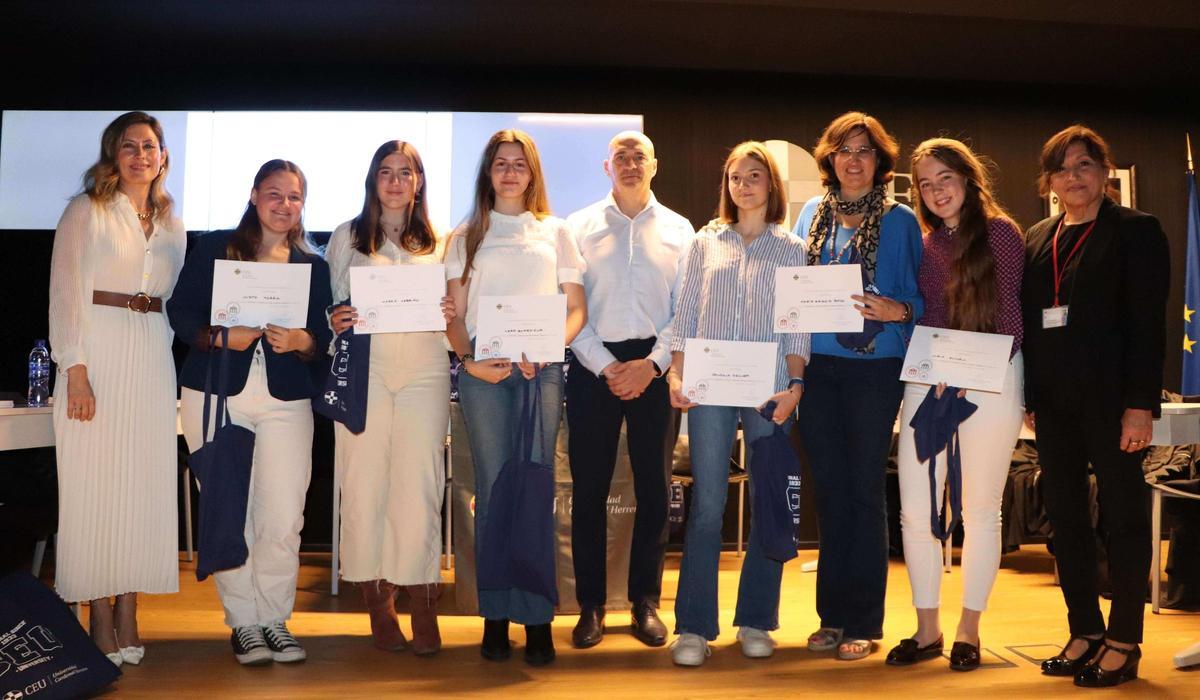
{"x":71,"y":284}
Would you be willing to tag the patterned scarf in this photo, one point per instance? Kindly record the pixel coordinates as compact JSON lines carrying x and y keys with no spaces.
{"x":866,"y":239}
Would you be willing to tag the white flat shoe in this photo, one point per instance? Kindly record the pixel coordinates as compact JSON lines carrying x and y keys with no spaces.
{"x":116,"y":658}
{"x":133,"y":655}
{"x":756,"y":643}
{"x":690,"y":650}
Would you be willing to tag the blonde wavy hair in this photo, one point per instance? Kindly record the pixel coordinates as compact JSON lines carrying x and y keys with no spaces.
{"x":100,"y":181}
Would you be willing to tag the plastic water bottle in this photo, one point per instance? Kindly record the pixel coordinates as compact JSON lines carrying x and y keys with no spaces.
{"x":39,"y":374}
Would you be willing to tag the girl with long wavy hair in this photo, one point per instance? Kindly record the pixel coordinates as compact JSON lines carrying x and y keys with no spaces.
{"x":509,"y":244}
{"x":393,"y":474}
{"x":970,"y":277}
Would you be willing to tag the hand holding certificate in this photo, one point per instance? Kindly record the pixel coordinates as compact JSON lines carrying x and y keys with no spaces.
{"x":254,"y":294}
{"x":533,"y":324}
{"x":816,"y":299}
{"x":728,"y":372}
{"x":398,"y":298}
{"x":962,"y":359}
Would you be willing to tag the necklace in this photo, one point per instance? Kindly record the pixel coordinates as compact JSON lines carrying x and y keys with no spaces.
{"x":144,"y":217}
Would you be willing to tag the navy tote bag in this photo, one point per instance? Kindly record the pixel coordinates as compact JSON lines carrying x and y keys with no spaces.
{"x":44,"y":653}
{"x":344,"y":398}
{"x":774,"y":492}
{"x":517,"y":543}
{"x":222,"y":466}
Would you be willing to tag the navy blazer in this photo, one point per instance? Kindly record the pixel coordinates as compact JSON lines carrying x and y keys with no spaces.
{"x":289,"y":377}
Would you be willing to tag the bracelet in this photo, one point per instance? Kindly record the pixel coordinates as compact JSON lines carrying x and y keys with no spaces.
{"x":464,"y":358}
{"x":908,"y":312}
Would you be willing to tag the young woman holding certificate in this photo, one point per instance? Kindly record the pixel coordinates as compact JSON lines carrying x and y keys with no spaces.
{"x":728,"y":294}
{"x":393,"y":473}
{"x":510,"y":245}
{"x":970,"y":278}
{"x":854,"y":390}
{"x":271,"y":383}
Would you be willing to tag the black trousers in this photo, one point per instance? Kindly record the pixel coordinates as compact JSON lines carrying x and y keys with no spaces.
{"x":594,"y":417}
{"x":1067,"y":441}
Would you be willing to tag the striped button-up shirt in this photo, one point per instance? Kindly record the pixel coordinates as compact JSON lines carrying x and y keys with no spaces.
{"x":729,"y":291}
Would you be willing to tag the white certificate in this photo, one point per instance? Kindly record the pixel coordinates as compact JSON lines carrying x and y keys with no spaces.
{"x":534,"y":324}
{"x":964,"y":359}
{"x":255,"y":294}
{"x":728,"y":372}
{"x":398,"y":298}
{"x":816,"y":299}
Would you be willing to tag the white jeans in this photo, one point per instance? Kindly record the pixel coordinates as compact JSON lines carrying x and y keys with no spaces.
{"x":986,"y":439}
{"x":263,"y":590}
{"x":393,"y":474}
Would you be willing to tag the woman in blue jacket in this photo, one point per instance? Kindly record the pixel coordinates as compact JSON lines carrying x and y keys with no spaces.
{"x":273,"y":377}
{"x":853,"y":388}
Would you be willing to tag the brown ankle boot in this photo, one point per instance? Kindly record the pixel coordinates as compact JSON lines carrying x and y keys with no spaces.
{"x":385,"y":629}
{"x":423,"y":606}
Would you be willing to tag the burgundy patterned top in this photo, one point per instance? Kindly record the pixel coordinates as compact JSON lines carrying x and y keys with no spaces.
{"x":1009,"y":251}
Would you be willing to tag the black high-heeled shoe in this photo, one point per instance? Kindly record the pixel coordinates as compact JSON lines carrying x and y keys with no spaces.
{"x":495,"y":646}
{"x":1062,"y":665}
{"x":1093,"y":676}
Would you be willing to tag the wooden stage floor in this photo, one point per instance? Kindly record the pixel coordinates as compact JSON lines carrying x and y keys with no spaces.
{"x":188,"y":653}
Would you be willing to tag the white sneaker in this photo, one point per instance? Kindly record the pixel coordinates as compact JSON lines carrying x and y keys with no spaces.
{"x":756,"y":643}
{"x":689,"y":650}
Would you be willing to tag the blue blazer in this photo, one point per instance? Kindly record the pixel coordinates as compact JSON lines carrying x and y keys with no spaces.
{"x":289,"y":377}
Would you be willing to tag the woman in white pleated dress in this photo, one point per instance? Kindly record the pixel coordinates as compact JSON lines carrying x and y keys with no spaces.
{"x":117,"y":253}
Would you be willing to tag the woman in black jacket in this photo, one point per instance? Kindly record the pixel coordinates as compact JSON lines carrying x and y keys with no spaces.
{"x":1094,"y":304}
{"x":273,"y":377}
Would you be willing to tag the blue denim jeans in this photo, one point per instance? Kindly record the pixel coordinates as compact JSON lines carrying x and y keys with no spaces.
{"x":491,"y":413}
{"x":711,"y":431}
{"x":846,"y":418}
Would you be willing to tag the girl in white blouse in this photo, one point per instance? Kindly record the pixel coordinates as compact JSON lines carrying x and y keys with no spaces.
{"x":117,"y":255}
{"x":510,"y":244}
{"x":393,"y":474}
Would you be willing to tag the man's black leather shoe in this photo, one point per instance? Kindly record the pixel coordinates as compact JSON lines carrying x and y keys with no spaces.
{"x":590,"y":628}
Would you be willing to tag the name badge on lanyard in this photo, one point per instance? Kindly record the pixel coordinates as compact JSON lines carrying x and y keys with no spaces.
{"x":1056,"y":316}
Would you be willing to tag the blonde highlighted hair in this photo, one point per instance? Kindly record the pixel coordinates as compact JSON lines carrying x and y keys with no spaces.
{"x":100,"y":182}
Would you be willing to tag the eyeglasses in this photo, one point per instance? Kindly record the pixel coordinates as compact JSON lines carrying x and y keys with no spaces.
{"x":1080,"y":169}
{"x":862,"y":152}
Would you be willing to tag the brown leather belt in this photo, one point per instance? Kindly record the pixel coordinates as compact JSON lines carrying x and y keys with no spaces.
{"x":140,"y":302}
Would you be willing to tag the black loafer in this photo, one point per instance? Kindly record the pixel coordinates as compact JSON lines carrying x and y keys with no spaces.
{"x":1092,"y":676}
{"x":539,"y":645}
{"x":647,"y":627}
{"x":495,"y":646}
{"x":590,"y":628}
{"x":964,"y":657}
{"x":908,"y":652}
{"x":1060,"y":665}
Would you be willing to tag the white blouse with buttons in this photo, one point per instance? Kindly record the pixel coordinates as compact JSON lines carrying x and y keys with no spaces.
{"x":518,"y":255}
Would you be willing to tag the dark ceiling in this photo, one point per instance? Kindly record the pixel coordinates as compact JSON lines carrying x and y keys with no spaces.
{"x":1150,"y":45}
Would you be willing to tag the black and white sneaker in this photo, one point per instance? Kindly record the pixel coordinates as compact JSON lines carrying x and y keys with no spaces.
{"x":249,"y":647}
{"x":284,"y":647}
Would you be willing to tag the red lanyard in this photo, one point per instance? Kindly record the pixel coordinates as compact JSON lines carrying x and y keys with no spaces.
{"x":1058,"y":274}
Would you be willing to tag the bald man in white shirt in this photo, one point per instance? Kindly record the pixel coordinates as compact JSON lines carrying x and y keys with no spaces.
{"x":633,"y":247}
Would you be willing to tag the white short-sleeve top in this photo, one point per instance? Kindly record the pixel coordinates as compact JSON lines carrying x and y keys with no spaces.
{"x":518,"y":255}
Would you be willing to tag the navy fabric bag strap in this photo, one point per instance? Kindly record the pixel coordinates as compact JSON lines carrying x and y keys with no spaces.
{"x":529,"y":424}
{"x":953,"y":485}
{"x":222,"y":384}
